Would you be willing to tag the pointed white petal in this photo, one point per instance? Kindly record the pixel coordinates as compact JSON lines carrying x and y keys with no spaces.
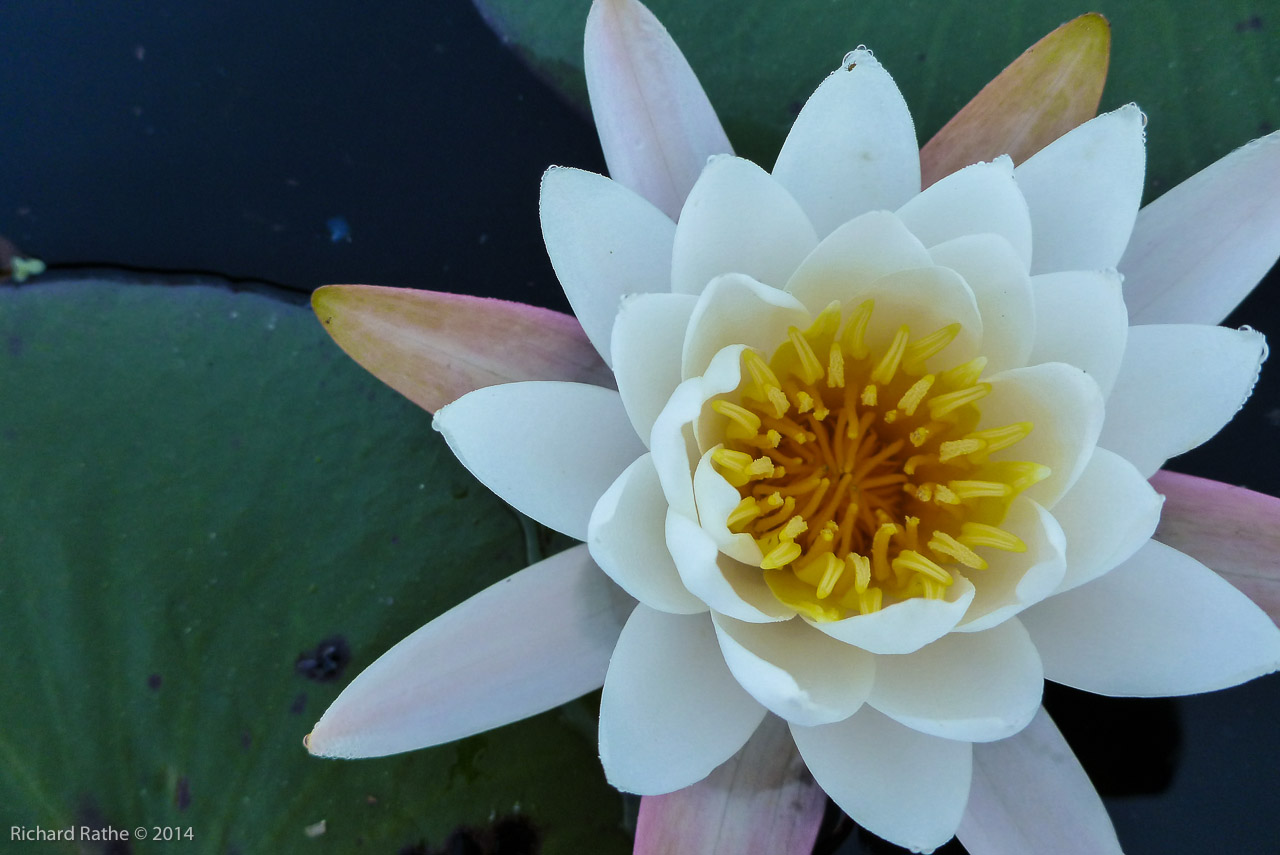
{"x":736,"y":309}
{"x":853,"y":256}
{"x":648,"y":339}
{"x":727,"y":586}
{"x":549,"y":449}
{"x":1013,"y":581}
{"x":975,"y":687}
{"x":716,"y":499}
{"x":1159,"y":624}
{"x":906,"y":786}
{"x":1030,"y":794}
{"x":762,"y":801}
{"x":853,"y":147}
{"x":1232,"y":530}
{"x":1081,"y":320}
{"x":978,"y":199}
{"x":1106,"y":516}
{"x":604,"y":242}
{"x":656,"y":126}
{"x":1084,"y":190}
{"x":455,"y":676}
{"x":797,"y":672}
{"x":738,"y":219}
{"x":671,"y":712}
{"x":1178,"y":385}
{"x":998,"y":279}
{"x":906,"y":626}
{"x":1066,"y":408}
{"x":1200,"y":248}
{"x":627,"y":537}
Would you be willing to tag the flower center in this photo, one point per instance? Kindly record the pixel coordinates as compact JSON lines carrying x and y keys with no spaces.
{"x":864,"y":479}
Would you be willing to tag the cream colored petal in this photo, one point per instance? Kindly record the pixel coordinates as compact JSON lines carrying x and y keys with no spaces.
{"x":670,"y":712}
{"x":998,"y":279}
{"x":797,"y":672}
{"x":1031,"y":795}
{"x":656,"y":126}
{"x":1159,"y":624}
{"x":1013,"y":581}
{"x":906,"y":626}
{"x":455,"y":677}
{"x":853,"y":147}
{"x":975,"y":687}
{"x":1179,"y":384}
{"x":716,"y":499}
{"x":738,"y":219}
{"x":736,"y":309}
{"x":648,"y":339}
{"x":548,"y":449}
{"x":978,"y":199}
{"x":1081,"y":320}
{"x":604,"y":242}
{"x":908,"y":787}
{"x":1083,"y":191}
{"x":727,"y":586}
{"x":1200,"y":248}
{"x":1106,"y":516}
{"x":627,"y":537}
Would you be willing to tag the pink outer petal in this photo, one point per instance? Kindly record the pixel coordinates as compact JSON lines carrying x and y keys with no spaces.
{"x":1030,"y":794}
{"x":656,"y":126}
{"x":434,"y":348}
{"x":762,"y":801}
{"x":456,"y":676}
{"x":1232,"y":530}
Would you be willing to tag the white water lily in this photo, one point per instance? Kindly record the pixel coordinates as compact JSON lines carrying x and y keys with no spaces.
{"x":876,"y":462}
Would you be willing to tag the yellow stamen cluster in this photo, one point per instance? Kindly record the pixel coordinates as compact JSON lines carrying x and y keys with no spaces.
{"x":864,"y":479}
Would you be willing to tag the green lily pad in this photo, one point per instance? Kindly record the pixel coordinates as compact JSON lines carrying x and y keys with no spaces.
{"x":1206,"y":81}
{"x":203,"y":498}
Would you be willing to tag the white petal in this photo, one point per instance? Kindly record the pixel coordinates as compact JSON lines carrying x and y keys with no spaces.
{"x":673,"y":440}
{"x":853,"y":147}
{"x":906,"y":626}
{"x":798,"y":673}
{"x":737,"y":219}
{"x":1160,"y":624}
{"x":648,"y":339}
{"x":998,"y":279}
{"x":1081,"y":320}
{"x":977,"y":199}
{"x":1109,"y":513}
{"x":727,"y":586}
{"x":1083,"y":190}
{"x":906,"y":786}
{"x":671,"y":712}
{"x":976,"y":687}
{"x":627,"y":537}
{"x":716,"y":499}
{"x":1178,"y":385}
{"x":1200,"y":248}
{"x":762,"y":801}
{"x":604,"y":242}
{"x":1013,"y":581}
{"x":1066,"y":408}
{"x":549,"y":449}
{"x":456,"y":677}
{"x":853,"y":256}
{"x":656,"y":126}
{"x":1031,"y":795}
{"x":736,"y":309}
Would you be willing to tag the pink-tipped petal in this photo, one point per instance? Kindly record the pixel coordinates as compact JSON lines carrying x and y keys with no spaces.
{"x":1053,"y":87}
{"x":1200,"y":248}
{"x":1232,"y":530}
{"x":1030,"y":794}
{"x":434,"y":348}
{"x":455,"y":676}
{"x":762,"y":801}
{"x":656,"y":126}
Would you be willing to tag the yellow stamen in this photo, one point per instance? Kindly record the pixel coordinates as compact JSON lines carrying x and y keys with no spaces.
{"x":919,"y":351}
{"x":944,"y":544}
{"x":981,"y":534}
{"x":888,"y":364}
{"x":810,"y":367}
{"x":911,"y":561}
{"x":913,"y":396}
{"x":744,"y":422}
{"x":952,"y":401}
{"x":854,"y":338}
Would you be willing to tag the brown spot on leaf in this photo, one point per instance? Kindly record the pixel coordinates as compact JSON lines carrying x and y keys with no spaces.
{"x":326,"y":661}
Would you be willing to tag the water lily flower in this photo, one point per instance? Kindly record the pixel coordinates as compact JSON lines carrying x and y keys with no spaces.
{"x":876,"y":464}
